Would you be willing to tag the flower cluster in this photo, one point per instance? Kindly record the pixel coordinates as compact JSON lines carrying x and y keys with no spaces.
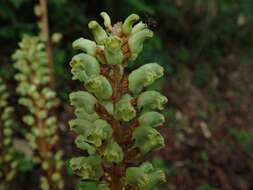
{"x":116,"y":117}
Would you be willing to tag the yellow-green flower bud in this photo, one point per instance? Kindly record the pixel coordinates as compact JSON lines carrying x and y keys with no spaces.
{"x":98,"y":32}
{"x":144,"y":76}
{"x":135,"y":42}
{"x":128,"y":23}
{"x":88,"y":168}
{"x":124,"y":111}
{"x":83,"y":99}
{"x":107,"y":19}
{"x":85,"y":45}
{"x":100,"y":86}
{"x":81,"y":142}
{"x":84,"y":66}
{"x":146,"y":177}
{"x":101,"y":131}
{"x":151,"y":118}
{"x":113,"y":52}
{"x":138,"y":27}
{"x":151,"y":100}
{"x":147,"y":138}
{"x":113,"y":152}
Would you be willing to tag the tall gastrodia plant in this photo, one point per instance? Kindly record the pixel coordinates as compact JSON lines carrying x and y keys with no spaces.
{"x":116,"y":117}
{"x":33,"y":76}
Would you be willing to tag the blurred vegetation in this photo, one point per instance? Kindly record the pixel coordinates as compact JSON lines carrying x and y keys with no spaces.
{"x":206,"y":47}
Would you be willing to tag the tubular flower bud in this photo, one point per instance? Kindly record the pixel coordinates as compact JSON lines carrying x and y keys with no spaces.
{"x":101,"y":131}
{"x":100,"y":86}
{"x":113,"y":152}
{"x":87,"y":167}
{"x":113,"y":52}
{"x":107,"y":19}
{"x":98,"y":32}
{"x":81,"y":113}
{"x":151,"y":100}
{"x":128,"y":23}
{"x":85,"y":45}
{"x":139,"y":27}
{"x":81,"y":126}
{"x":124,"y":111}
{"x":82,"y":144}
{"x":84,"y":66}
{"x":152,"y":119}
{"x":135,"y":42}
{"x":147,"y":138}
{"x":83,"y":99}
{"x":144,"y":76}
{"x":146,"y":177}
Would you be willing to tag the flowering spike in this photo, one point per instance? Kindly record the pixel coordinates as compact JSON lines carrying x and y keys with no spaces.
{"x":128,"y":23}
{"x":98,"y":32}
{"x":106,"y":124}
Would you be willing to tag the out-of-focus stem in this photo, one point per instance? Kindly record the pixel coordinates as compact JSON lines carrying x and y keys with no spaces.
{"x":46,"y":35}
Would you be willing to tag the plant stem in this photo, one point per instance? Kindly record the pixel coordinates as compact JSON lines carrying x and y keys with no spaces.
{"x":46,"y":35}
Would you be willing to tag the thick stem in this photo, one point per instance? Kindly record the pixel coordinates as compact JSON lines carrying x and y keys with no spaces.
{"x":46,"y":35}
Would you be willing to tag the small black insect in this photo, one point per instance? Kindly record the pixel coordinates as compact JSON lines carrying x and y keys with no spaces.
{"x":152,"y":22}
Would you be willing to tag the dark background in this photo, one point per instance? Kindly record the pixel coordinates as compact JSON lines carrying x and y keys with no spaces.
{"x":206,"y":48}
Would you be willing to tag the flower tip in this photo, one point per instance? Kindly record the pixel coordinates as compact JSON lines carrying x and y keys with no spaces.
{"x":107,"y":19}
{"x":92,"y":24}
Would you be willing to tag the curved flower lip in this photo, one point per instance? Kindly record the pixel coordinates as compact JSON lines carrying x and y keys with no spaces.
{"x":107,"y":19}
{"x":128,"y":23}
{"x":99,"y":33}
{"x":135,"y":41}
{"x":85,"y":45}
{"x":113,"y":42}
